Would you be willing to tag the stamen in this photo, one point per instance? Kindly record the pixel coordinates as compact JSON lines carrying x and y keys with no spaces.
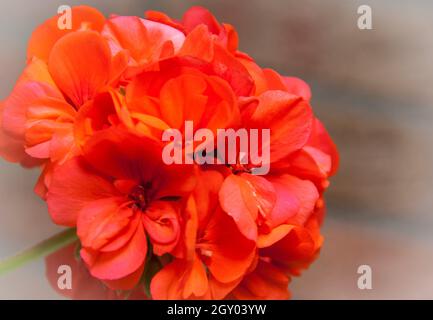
{"x":139,"y":196}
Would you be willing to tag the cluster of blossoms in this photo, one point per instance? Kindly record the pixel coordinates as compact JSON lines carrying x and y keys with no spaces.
{"x":90,"y":109}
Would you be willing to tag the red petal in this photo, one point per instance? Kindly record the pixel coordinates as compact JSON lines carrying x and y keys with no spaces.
{"x":73,"y":185}
{"x":130,"y":157}
{"x":12,"y":149}
{"x":289,"y":118}
{"x":219,"y":290}
{"x":17,"y":104}
{"x":233,"y":71}
{"x":84,"y":286}
{"x":102,"y":220}
{"x":127,"y":283}
{"x":49,"y":131}
{"x":296,"y":199}
{"x":120,"y":263}
{"x":125,"y":155}
{"x":321,"y":140}
{"x":263,"y":192}
{"x":298,"y":87}
{"x":311,"y":162}
{"x":199,"y":15}
{"x":161,"y":222}
{"x":296,"y":250}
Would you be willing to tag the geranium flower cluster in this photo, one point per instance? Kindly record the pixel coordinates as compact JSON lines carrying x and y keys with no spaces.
{"x":90,"y":108}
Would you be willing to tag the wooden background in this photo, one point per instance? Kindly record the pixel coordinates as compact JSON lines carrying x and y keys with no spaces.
{"x":371,"y":88}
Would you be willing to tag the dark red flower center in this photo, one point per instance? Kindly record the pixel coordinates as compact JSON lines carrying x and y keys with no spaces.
{"x":140,"y":196}
{"x":239,"y":168}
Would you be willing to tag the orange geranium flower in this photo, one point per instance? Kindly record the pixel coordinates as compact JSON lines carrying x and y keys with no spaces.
{"x":212,"y":265}
{"x":158,"y":100}
{"x":145,"y":42}
{"x":91,"y":108}
{"x":291,"y":253}
{"x":43,"y":106}
{"x":260,"y":204}
{"x":118,"y":193}
{"x":224,"y":33}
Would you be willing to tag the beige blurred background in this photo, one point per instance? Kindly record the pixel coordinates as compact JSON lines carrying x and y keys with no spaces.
{"x":371,"y":88}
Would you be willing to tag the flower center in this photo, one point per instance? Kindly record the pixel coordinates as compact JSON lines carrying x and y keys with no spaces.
{"x":140,"y":196}
{"x":239,"y":168}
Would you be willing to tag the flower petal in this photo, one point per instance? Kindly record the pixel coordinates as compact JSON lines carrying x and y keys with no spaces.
{"x":265,"y":282}
{"x":180,"y":279}
{"x":145,"y":40}
{"x":16,"y":105}
{"x":236,"y":198}
{"x":72,"y":186}
{"x":289,"y":118}
{"x":297,"y":87}
{"x":120,"y":263}
{"x":102,"y":220}
{"x":198,"y":15}
{"x":296,"y":199}
{"x":225,"y":261}
{"x":80,"y":76}
{"x":161,"y":222}
{"x":47,"y":34}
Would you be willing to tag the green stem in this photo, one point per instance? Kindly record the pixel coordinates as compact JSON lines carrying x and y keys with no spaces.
{"x":44,"y":248}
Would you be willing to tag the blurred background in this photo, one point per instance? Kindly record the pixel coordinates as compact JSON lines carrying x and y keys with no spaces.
{"x":371,"y":88}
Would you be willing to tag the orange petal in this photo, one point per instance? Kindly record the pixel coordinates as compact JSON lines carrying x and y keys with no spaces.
{"x":179,"y":280}
{"x":225,"y":261}
{"x":265,"y":282}
{"x":80,"y":65}
{"x":47,"y":34}
{"x":144,"y":39}
{"x":236,"y":198}
{"x":198,"y":44}
{"x":163,"y":18}
{"x":177,"y":97}
{"x":36,"y":70}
